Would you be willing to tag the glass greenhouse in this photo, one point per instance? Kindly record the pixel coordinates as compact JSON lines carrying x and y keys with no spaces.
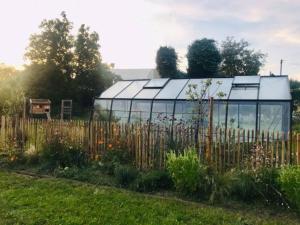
{"x":249,"y":102}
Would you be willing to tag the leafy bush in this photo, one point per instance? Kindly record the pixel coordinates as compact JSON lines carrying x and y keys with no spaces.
{"x":218,"y":186}
{"x":243,"y":186}
{"x":186,"y":171}
{"x":125,"y":175}
{"x":59,"y":153}
{"x":289,"y":181}
{"x":153,"y":181}
{"x":261,"y":184}
{"x":113,"y":158}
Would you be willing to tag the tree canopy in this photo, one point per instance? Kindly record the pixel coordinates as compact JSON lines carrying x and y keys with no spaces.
{"x":166,"y":62}
{"x":238,"y":59}
{"x":203,"y":58}
{"x":63,"y":66}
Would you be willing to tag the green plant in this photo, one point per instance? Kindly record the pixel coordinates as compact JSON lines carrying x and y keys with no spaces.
{"x":153,"y":181}
{"x":186,"y":171}
{"x":218,"y":186}
{"x":58,"y":152}
{"x":125,"y":175}
{"x":114,"y":157}
{"x":243,"y":186}
{"x":289,"y":181}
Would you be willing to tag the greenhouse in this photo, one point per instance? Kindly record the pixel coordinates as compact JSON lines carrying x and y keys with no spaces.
{"x":246,"y":102}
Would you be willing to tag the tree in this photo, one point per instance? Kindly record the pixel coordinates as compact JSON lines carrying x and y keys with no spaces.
{"x":238,"y":59}
{"x":53,"y":45}
{"x":166,"y":62}
{"x":203,"y":58}
{"x":88,"y":79}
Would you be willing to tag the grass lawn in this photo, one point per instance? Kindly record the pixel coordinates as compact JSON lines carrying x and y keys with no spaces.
{"x":28,"y":200}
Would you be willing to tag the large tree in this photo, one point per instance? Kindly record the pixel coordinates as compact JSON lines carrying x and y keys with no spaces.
{"x":88,"y":79}
{"x":166,"y":62}
{"x":238,"y":59}
{"x":203,"y":58}
{"x":50,"y":53}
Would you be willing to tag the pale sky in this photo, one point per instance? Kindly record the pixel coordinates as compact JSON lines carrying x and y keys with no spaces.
{"x":131,"y":31}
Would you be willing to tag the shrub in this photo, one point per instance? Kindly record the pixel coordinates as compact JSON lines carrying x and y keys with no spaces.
{"x":125,"y":175}
{"x":59,"y":153}
{"x":218,"y":186}
{"x":113,"y":158}
{"x":289,"y":181}
{"x":243,"y":186}
{"x":153,"y":181}
{"x":186,"y":171}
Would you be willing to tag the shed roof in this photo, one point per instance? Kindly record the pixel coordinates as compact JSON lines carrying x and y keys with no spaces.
{"x":235,"y":88}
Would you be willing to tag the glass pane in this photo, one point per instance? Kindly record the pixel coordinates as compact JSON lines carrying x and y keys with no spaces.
{"x":132,"y":89}
{"x":101,"y":109}
{"x":115,"y":89}
{"x":147,"y":94}
{"x":185,"y":112}
{"x":268,"y":85}
{"x":274,"y":116}
{"x":172,"y":89}
{"x":162,"y":112}
{"x":219,"y":114}
{"x":157,"y":83}
{"x":242,"y":115}
{"x":120,"y":110}
{"x":217,"y":86}
{"x":249,"y":93}
{"x":246,"y":80}
{"x":140,"y":111}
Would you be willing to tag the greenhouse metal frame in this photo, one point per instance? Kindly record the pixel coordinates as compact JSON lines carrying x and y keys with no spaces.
{"x":250,"y":102}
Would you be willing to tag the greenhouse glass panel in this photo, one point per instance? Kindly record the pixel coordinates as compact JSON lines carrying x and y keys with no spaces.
{"x":147,"y":93}
{"x":132,"y":89}
{"x":186,"y":112}
{"x":140,"y":111}
{"x":120,"y":110}
{"x":218,"y":86}
{"x":246,"y":93}
{"x":269,"y":84}
{"x":162,"y":112}
{"x":219,"y":114}
{"x":115,"y":89}
{"x":102,"y":109}
{"x":242,"y":115}
{"x":246,"y":80}
{"x":274,"y":116}
{"x":172,"y":89}
{"x":157,"y":83}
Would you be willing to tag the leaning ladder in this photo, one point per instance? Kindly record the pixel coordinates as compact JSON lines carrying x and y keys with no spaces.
{"x":66,"y":109}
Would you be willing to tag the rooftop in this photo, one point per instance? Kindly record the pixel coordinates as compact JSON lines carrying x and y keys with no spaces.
{"x":234,"y":88}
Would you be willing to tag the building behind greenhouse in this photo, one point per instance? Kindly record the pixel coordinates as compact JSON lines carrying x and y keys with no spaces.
{"x":249,"y":102}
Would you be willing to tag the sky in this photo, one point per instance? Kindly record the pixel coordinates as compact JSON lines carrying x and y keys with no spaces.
{"x":131,"y":31}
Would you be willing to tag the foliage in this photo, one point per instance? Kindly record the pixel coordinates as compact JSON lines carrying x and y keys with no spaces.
{"x":65,"y":67}
{"x":261,"y":184}
{"x":11,"y":91}
{"x":113,"y":158}
{"x":289,"y":181}
{"x":186,"y":171}
{"x":203,"y":58}
{"x":238,"y":59}
{"x":125,"y":175}
{"x":217,"y":185}
{"x":166,"y":62}
{"x":153,"y":181}
{"x":58,"y":152}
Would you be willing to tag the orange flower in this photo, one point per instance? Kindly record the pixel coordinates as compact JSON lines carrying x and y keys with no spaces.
{"x":110,"y":145}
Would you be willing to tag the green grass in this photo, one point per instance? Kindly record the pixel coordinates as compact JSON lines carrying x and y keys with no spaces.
{"x":29,"y":200}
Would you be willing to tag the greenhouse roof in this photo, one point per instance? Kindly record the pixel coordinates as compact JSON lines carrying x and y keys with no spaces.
{"x":235,"y":88}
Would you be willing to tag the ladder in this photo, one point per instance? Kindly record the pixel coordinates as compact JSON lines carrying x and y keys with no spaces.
{"x":66,"y":109}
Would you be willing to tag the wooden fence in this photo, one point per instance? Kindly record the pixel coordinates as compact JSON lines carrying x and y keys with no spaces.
{"x":149,"y":144}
